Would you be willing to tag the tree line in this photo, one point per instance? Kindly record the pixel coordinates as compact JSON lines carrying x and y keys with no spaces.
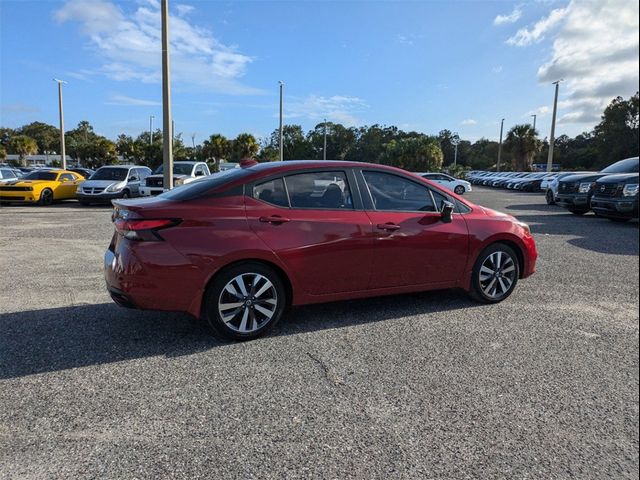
{"x":614,"y":138}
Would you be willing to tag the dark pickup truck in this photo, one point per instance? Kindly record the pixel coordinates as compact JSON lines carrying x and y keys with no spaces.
{"x":616,"y":197}
{"x":575,"y":191}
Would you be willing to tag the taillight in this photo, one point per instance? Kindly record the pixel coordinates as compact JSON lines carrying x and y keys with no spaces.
{"x":144,"y":229}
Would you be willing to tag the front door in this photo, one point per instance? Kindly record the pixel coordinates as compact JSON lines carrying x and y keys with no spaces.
{"x":412,"y":245}
{"x":312,"y":224}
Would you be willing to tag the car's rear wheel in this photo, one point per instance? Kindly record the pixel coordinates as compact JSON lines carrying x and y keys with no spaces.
{"x":459,"y":190}
{"x":495,"y":274}
{"x":46,"y":197}
{"x":245,"y":301}
{"x":549,"y":198}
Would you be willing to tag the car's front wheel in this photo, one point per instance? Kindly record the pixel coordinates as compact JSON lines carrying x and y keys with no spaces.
{"x":244,"y":301}
{"x":459,"y":190}
{"x":549,"y":198}
{"x":495,"y":274}
{"x":46,"y":197}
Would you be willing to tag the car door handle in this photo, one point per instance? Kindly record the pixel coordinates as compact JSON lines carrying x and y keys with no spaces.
{"x":274,"y":219}
{"x":390,"y":227}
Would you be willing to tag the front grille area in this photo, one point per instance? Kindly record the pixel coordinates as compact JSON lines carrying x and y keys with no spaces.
{"x":606,"y":189}
{"x":154,"y":182}
{"x":92,"y":190}
{"x":11,"y":199}
{"x":568,"y":187}
{"x":16,"y":189}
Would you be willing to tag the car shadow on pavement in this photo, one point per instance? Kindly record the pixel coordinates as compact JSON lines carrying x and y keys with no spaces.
{"x":592,"y":233}
{"x":56,"y":339}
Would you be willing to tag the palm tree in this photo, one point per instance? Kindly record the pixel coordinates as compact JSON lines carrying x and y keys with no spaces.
{"x":217,"y":147}
{"x":23,"y":146}
{"x":522,"y":143}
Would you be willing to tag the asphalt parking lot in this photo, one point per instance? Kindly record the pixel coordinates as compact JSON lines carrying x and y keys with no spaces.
{"x":433,"y":385}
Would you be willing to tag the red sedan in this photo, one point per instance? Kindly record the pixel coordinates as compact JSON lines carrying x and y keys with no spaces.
{"x":237,"y":248}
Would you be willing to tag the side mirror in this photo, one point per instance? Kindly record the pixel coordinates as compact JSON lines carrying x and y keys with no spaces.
{"x":133,"y":179}
{"x":446,"y":213}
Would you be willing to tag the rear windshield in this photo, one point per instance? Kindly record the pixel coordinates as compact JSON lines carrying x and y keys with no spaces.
{"x":630,"y":165}
{"x":40,"y":176}
{"x":110,"y":173}
{"x":200,"y":187}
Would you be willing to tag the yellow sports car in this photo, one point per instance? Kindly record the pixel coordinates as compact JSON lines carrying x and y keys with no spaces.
{"x":42,"y":187}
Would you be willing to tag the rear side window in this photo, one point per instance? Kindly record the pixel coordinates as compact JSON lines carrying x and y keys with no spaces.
{"x":394,"y":193}
{"x":66,"y":177}
{"x":319,"y":190}
{"x":272,"y":191}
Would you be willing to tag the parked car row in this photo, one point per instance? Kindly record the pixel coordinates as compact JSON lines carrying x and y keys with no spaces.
{"x":524,"y":181}
{"x":45,"y":185}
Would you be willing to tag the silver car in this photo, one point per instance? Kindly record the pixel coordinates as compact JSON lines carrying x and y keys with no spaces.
{"x":113,"y":181}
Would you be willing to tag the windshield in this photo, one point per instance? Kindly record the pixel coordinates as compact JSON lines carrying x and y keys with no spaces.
{"x":630,"y":165}
{"x":200,"y":187}
{"x":178,"y":169}
{"x":110,"y":173}
{"x":40,"y":176}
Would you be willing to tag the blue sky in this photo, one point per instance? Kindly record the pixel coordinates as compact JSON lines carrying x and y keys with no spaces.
{"x":421,"y":66}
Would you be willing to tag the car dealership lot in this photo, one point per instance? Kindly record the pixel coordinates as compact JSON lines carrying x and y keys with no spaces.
{"x":427,"y":385}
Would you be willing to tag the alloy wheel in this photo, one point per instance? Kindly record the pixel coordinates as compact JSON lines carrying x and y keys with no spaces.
{"x":497,"y":274}
{"x":247,"y":302}
{"x":459,"y":190}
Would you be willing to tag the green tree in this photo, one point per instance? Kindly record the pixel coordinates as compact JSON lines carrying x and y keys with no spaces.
{"x":46,"y":136}
{"x":5,"y":135}
{"x":417,"y":154}
{"x":368,"y":142}
{"x":244,"y":145}
{"x":217,"y":148}
{"x":3,"y":153}
{"x":616,"y":136}
{"x":522,"y":144}
{"x":23,"y":146}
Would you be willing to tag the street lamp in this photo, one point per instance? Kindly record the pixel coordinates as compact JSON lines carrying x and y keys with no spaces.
{"x":552,"y":138}
{"x":63,"y":154}
{"x":500,"y":146}
{"x":534,"y":121}
{"x":455,"y":141}
{"x":324,"y":147}
{"x":151,"y":117}
{"x":167,"y":131}
{"x":281,"y":83}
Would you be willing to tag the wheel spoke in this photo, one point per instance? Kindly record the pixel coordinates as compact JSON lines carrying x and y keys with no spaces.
{"x":487,"y":289}
{"x":267,"y":285}
{"x":227,"y":306}
{"x":243,"y":288}
{"x":226,"y":318}
{"x":254,"y":320}
{"x":485,"y":273}
{"x":499,"y":259}
{"x":509,"y":269}
{"x":231,"y":289}
{"x":502,"y":285}
{"x":243,"y":322}
{"x":264,"y":311}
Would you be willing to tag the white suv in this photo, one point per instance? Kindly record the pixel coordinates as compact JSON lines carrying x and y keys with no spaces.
{"x":183,"y":173}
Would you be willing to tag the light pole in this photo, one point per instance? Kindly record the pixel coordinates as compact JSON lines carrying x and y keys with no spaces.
{"x":534,"y":120}
{"x":167,"y":131}
{"x":500,"y":146}
{"x":324,"y":147}
{"x":63,"y":152}
{"x":151,"y":117}
{"x":552,"y":139}
{"x":281,"y":83}
{"x":193,"y":140}
{"x":455,"y":140}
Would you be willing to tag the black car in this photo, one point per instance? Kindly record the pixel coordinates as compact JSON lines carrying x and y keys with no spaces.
{"x":85,"y":172}
{"x":575,"y":191}
{"x":616,"y":197}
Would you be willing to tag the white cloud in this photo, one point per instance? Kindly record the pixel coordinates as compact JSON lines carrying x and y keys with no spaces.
{"x":469,"y":121}
{"x":183,"y":9}
{"x":513,"y":17}
{"x":497,"y":69}
{"x":129,"y":44}
{"x":596,"y":52}
{"x":132,"y":102}
{"x":540,"y":111}
{"x":338,"y":108}
{"x":526,"y":36}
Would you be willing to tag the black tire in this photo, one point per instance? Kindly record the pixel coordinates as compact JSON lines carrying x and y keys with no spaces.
{"x":46,"y":197}
{"x":125,"y":194}
{"x":217,"y":295}
{"x":549,"y":198}
{"x":84,"y":203}
{"x":578,"y":211}
{"x":480,"y":286}
{"x":459,"y":190}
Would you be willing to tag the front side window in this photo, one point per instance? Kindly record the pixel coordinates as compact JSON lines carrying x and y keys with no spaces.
{"x":41,"y":176}
{"x":272,"y":191}
{"x":395,"y":193}
{"x":319,"y":190}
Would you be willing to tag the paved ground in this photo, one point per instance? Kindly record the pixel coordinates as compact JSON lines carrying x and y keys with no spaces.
{"x":544,"y":385}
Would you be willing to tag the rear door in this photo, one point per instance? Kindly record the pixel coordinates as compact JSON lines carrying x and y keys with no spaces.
{"x":412,"y":245}
{"x":314,"y":222}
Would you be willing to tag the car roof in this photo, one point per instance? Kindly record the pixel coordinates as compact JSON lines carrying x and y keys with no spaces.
{"x":123,"y":166}
{"x":292,"y":165}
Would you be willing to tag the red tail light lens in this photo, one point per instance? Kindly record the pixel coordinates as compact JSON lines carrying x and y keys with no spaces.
{"x":143,"y":229}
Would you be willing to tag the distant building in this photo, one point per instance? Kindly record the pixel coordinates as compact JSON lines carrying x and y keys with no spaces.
{"x":39,"y":160}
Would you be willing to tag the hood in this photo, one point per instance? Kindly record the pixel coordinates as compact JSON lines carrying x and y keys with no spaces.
{"x":98,"y":183}
{"x":620,"y":178}
{"x":584,"y":177}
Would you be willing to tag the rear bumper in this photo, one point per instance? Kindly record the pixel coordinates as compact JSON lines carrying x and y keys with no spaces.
{"x":98,"y":197}
{"x":615,"y":207}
